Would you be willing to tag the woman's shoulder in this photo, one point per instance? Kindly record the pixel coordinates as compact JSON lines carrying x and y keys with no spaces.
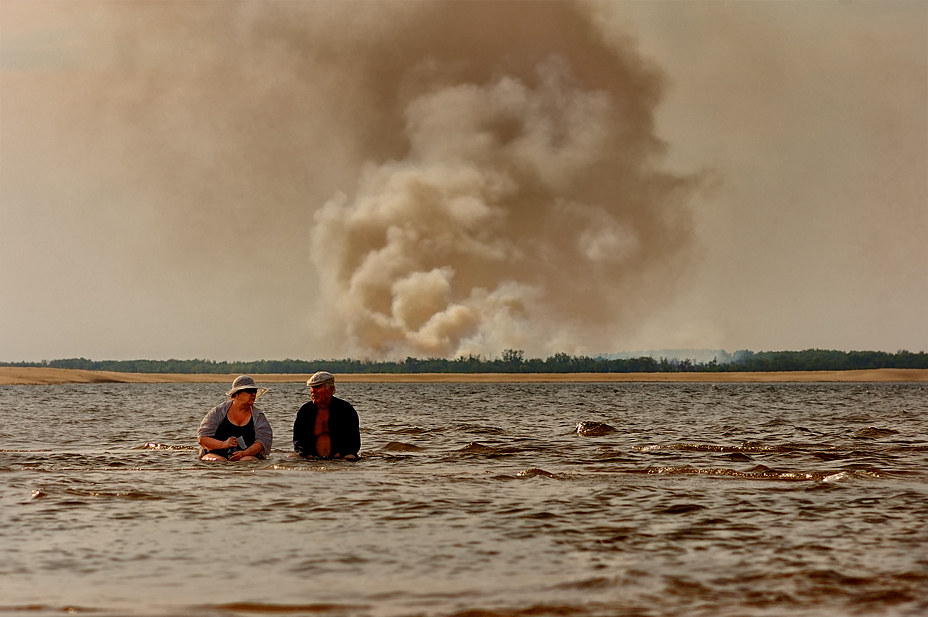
{"x":258,"y":415}
{"x":213,"y":419}
{"x":219,"y":410}
{"x":222,"y":407}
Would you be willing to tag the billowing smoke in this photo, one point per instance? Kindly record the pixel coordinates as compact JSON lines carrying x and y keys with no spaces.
{"x":527,"y":210}
{"x":365,"y":178}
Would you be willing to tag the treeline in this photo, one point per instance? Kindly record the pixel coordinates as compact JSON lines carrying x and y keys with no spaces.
{"x":825,"y":360}
{"x":514,"y":361}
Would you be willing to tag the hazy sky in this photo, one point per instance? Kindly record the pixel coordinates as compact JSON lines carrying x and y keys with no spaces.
{"x":257,"y":180}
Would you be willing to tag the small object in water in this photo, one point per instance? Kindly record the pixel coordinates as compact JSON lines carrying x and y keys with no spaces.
{"x":535,"y":472}
{"x":594,"y":429}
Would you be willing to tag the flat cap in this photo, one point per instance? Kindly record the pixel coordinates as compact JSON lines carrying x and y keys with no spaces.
{"x":322,"y":377}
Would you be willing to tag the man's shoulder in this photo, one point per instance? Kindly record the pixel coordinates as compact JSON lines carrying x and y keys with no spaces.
{"x":340,"y":403}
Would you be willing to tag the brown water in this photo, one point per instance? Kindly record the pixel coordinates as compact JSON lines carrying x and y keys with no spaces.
{"x":721,"y":500}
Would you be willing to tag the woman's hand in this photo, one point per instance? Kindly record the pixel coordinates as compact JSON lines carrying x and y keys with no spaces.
{"x":248,"y":453}
{"x":210,"y":443}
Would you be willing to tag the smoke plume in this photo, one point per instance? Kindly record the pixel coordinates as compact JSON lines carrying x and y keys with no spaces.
{"x":525,"y":208}
{"x":367,"y":178}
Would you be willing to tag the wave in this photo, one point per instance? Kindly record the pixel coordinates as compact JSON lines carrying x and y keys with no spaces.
{"x":261,"y":607}
{"x":398,"y":446}
{"x":478,"y":448}
{"x":872,"y":432}
{"x":163,"y":446}
{"x":535,"y":472}
{"x":824,"y":451}
{"x":762,"y":472}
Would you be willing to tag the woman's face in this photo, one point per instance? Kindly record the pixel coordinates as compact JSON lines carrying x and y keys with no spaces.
{"x":245,"y":398}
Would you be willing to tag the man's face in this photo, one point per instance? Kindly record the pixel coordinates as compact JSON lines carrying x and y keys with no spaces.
{"x":321,"y":394}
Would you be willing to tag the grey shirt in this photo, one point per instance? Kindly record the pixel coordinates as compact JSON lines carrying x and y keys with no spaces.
{"x":263,"y":433}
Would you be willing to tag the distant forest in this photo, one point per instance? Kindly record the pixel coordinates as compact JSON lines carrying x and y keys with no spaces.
{"x":514,"y":361}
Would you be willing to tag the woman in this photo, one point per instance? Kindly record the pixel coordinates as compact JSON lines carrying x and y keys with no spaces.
{"x":236,"y":430}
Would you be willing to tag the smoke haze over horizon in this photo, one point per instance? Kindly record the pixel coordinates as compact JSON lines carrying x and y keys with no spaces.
{"x":380,"y":179}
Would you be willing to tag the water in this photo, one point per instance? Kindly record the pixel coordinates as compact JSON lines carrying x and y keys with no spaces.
{"x":473,"y":499}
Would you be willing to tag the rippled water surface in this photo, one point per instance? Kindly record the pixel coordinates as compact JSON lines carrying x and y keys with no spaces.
{"x":473,"y":499}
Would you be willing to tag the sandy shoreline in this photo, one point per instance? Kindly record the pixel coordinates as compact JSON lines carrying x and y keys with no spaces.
{"x":51,"y":376}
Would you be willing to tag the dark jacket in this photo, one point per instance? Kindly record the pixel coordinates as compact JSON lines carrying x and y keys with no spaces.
{"x":344,"y":429}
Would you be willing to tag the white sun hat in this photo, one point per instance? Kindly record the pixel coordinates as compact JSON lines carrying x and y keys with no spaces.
{"x":244,"y":382}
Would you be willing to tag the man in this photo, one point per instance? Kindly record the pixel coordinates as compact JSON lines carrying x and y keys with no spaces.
{"x":326,"y":427}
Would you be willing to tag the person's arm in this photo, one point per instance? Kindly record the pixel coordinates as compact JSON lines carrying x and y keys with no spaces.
{"x":208,"y":427}
{"x":253,"y":450}
{"x":303,"y":438}
{"x":210,"y":443}
{"x":264,"y":437}
{"x":350,"y":433}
